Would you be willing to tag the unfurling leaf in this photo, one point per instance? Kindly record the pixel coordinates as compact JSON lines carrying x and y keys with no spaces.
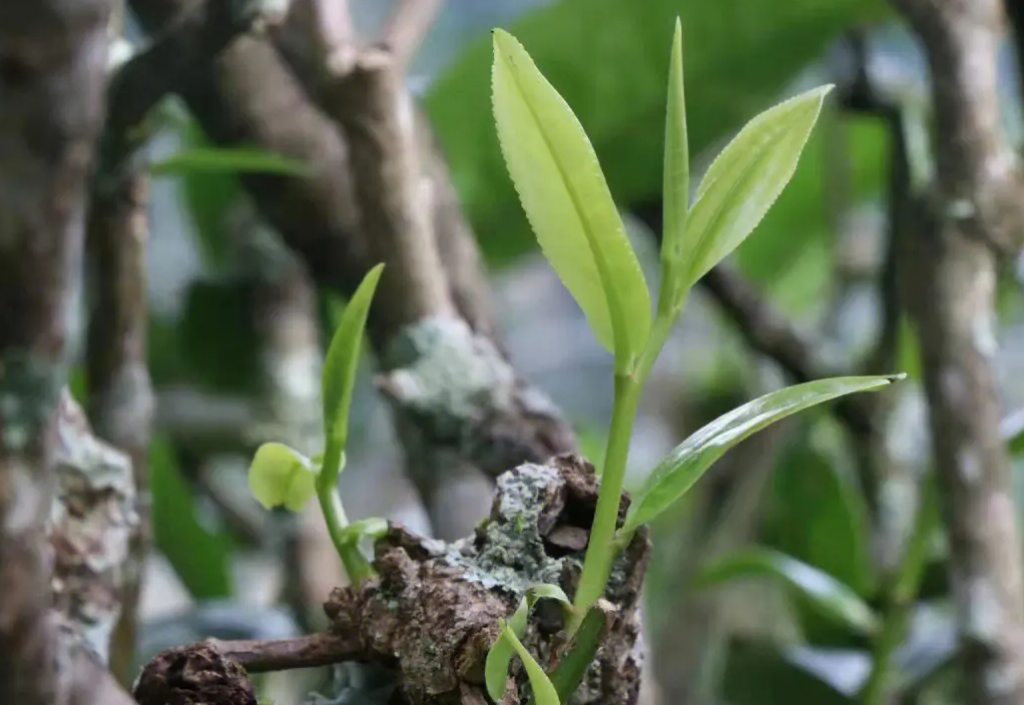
{"x":744,"y":181}
{"x":498,"y":658}
{"x":281,"y":476}
{"x":829,"y":596}
{"x":676,"y":189}
{"x":544,"y":692}
{"x":567,"y":201}
{"x":678,"y":472}
{"x":341,"y":365}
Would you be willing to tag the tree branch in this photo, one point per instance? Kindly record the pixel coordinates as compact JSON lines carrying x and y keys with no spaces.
{"x":408,"y":25}
{"x":52,"y":79}
{"x":978,"y":171}
{"x":257,"y":656}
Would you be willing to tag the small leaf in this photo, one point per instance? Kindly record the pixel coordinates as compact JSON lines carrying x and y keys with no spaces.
{"x":678,"y":472}
{"x":676,"y":189}
{"x":342,"y":362}
{"x":209,"y":159}
{"x":281,"y":476}
{"x":745,"y":179}
{"x":498,"y":658}
{"x":829,"y":596}
{"x":544,"y":692}
{"x":567,"y":201}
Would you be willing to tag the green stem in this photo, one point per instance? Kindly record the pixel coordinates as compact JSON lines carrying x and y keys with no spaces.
{"x":601,"y":549}
{"x":901,"y":598}
{"x":355,"y":563}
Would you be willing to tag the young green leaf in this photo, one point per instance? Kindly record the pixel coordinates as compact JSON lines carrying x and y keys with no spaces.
{"x":342,"y":362}
{"x":677,"y":473}
{"x":544,"y":692}
{"x":209,"y":159}
{"x":676,"y":190}
{"x":498,"y":658}
{"x":567,"y":201}
{"x":745,"y":179}
{"x":281,"y":476}
{"x":829,"y":596}
{"x":367,"y":528}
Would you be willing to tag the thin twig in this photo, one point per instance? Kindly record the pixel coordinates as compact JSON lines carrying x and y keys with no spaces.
{"x":261,"y":656}
{"x":408,"y":26}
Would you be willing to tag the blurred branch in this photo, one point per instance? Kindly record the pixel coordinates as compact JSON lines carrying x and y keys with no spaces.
{"x":978,"y":172}
{"x":408,"y":25}
{"x":183,"y":47}
{"x":52,"y":78}
{"x":121,"y":401}
{"x":972,"y":211}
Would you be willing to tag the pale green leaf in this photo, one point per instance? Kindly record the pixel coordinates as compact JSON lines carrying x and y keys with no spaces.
{"x":210,"y":159}
{"x":374,"y":528}
{"x":342,"y":362}
{"x":544,"y":692}
{"x":676,"y":189}
{"x":498,"y":658}
{"x":281,"y":476}
{"x":832,"y":598}
{"x":567,"y":201}
{"x":745,"y":179}
{"x":678,"y":472}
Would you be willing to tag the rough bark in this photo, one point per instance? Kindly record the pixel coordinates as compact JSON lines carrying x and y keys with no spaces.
{"x":432,"y":612}
{"x":973,"y":211}
{"x":52,"y":78}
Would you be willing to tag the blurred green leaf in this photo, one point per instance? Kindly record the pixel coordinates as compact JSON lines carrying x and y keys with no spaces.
{"x":234,"y":161}
{"x":676,"y":189}
{"x":815,"y":513}
{"x":218,"y":336}
{"x":831,"y":597}
{"x":677,"y":473}
{"x":606,"y":58}
{"x":763,"y":674}
{"x":281,"y":476}
{"x":745,"y":179}
{"x":209,"y":196}
{"x":501,"y":652}
{"x":568,"y":203}
{"x":201,"y":558}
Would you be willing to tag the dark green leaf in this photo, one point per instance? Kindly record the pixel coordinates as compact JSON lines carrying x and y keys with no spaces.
{"x":570,"y":672}
{"x":200,"y":557}
{"x":831,"y":597}
{"x":188,"y":161}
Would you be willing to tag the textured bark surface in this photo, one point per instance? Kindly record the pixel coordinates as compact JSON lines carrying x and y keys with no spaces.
{"x":194,"y":675}
{"x":52,"y":78}
{"x":433,"y":612}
